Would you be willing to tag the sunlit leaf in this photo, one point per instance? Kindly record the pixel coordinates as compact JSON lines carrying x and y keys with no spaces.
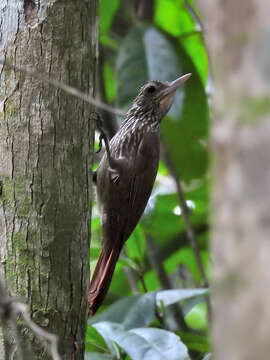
{"x":173,"y":17}
{"x":197,"y":317}
{"x":107,"y":10}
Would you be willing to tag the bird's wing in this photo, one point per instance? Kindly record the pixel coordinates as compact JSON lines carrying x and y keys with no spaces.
{"x":145,"y":169}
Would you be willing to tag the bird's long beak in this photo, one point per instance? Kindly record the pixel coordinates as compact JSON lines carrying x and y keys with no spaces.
{"x":173,"y":86}
{"x":176,"y":83}
{"x":166,"y":95}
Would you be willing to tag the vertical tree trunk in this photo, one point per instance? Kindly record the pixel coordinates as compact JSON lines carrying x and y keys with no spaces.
{"x":45,"y":160}
{"x":238,"y":37}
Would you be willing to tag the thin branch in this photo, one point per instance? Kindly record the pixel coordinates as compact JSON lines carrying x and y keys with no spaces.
{"x":67,"y":88}
{"x":154,"y":257}
{"x":43,"y":335}
{"x":7,"y":316}
{"x":189,"y":230}
{"x":140,"y":274}
{"x":10,"y":308}
{"x":186,"y":216}
{"x":131,"y":278}
{"x":144,"y":9}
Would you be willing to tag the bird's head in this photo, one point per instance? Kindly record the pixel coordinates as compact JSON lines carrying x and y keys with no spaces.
{"x":156,"y":97}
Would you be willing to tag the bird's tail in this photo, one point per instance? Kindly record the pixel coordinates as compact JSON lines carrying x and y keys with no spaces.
{"x":102,"y":276}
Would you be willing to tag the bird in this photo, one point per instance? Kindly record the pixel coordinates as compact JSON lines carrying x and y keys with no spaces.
{"x":125,"y":177}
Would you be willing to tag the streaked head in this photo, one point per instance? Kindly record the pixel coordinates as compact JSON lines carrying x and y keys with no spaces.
{"x":157,"y":96}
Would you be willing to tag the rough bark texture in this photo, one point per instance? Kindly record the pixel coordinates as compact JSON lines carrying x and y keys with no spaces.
{"x":238,"y":38}
{"x":45,"y":161}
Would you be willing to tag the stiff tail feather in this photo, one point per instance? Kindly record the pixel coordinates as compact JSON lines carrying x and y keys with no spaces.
{"x":102,"y":277}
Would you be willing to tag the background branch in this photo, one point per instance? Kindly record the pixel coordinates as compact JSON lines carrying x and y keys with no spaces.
{"x":186,"y":216}
{"x":10,"y":309}
{"x":154,"y":257}
{"x":49,"y":79}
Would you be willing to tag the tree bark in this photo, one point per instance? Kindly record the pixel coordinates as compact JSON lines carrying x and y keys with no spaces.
{"x":45,"y":159}
{"x":238,"y":38}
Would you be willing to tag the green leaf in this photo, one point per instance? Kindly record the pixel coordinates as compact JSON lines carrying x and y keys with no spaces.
{"x":151,"y":281}
{"x":159,"y":219}
{"x":195,"y":47}
{"x":186,"y":257}
{"x":145,"y":343}
{"x":134,"y":311}
{"x":119,"y":284}
{"x":135,"y":246}
{"x":197,"y":317}
{"x":105,"y":338}
{"x":166,"y":343}
{"x":107,"y":10}
{"x":169,"y":297}
{"x":195,"y":342}
{"x":109,"y":80}
{"x":93,"y":341}
{"x":125,"y":261}
{"x":109,"y":42}
{"x":97,"y":356}
{"x":173,"y":17}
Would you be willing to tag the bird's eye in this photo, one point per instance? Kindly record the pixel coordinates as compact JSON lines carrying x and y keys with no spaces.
{"x":151,"y":89}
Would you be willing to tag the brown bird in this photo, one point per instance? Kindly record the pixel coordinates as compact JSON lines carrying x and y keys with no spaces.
{"x":125,"y":178}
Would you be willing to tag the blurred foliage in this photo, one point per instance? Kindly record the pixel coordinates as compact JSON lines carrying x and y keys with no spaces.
{"x":158,"y":274}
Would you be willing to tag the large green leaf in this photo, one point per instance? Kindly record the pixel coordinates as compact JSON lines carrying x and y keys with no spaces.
{"x":131,"y":312}
{"x":139,"y":310}
{"x":147,"y":54}
{"x":169,"y":297}
{"x":144,"y":343}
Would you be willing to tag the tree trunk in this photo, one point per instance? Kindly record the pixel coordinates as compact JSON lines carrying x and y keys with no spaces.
{"x":45,"y":161}
{"x":238,"y":37}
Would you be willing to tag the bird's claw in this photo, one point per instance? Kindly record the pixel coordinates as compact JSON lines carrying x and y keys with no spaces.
{"x":114,"y":175}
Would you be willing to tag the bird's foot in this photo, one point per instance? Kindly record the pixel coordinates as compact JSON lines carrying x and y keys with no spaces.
{"x":114,"y":175}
